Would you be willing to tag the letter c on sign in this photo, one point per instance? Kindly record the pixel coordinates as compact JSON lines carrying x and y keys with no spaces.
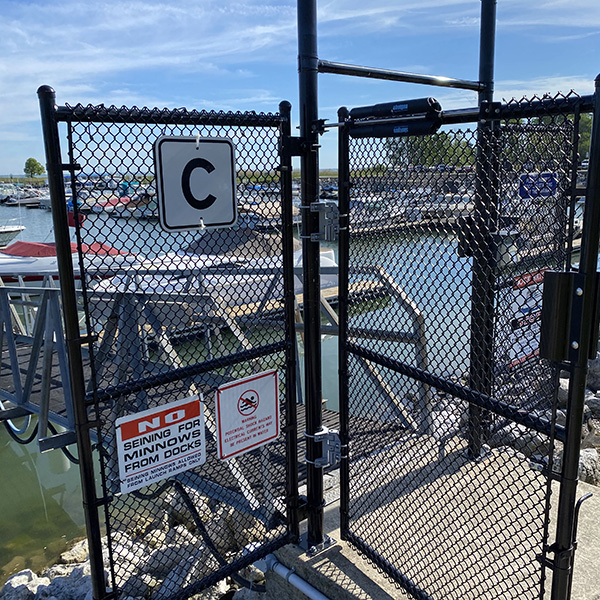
{"x":196,"y":163}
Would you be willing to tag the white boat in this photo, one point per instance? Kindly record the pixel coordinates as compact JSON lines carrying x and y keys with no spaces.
{"x":246,"y":271}
{"x":373,"y":211}
{"x":33,"y":262}
{"x":8,"y":233}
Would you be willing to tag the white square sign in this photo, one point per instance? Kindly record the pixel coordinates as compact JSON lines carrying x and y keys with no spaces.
{"x":157,"y":443}
{"x":195,"y":182}
{"x":247,"y":414}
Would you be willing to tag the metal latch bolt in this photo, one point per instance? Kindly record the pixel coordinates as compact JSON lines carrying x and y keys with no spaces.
{"x":331,"y":447}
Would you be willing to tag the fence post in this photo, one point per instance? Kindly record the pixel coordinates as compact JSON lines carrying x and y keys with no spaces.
{"x":308,"y":75}
{"x":291,"y":355}
{"x":343,"y":274}
{"x":580,"y":349}
{"x":54,"y":167}
{"x":484,"y":223}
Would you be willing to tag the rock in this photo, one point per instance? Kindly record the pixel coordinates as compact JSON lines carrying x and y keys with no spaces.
{"x":220,"y":531}
{"x":594,"y":404}
{"x":593,"y":378}
{"x":59,"y":570}
{"x":179,"y":535}
{"x":246,"y":594}
{"x":245,"y":528}
{"x":126,"y":561}
{"x":252,"y":574}
{"x":75,"y":586}
{"x":592,"y":439}
{"x":195,"y":566}
{"x":139,"y":585}
{"x":216,"y":592}
{"x":589,"y":466}
{"x":563,"y":392}
{"x":522,"y":439}
{"x":23,"y":586}
{"x":162,"y":561}
{"x":77,"y":554}
{"x":155,"y":538}
{"x":178,"y":511}
{"x":444,"y":423}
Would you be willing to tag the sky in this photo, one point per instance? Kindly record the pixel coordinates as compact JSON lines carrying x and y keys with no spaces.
{"x":242,"y":55}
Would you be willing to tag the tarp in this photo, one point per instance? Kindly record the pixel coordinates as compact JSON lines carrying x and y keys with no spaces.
{"x":38,"y":249}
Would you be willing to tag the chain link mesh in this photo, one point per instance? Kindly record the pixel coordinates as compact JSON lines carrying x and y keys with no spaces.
{"x":451,"y":410}
{"x":174,"y":315}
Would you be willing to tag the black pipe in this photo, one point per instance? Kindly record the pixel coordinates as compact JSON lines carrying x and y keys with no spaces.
{"x":291,"y":419}
{"x":326,"y":66}
{"x":343,"y":355}
{"x":308,"y":75}
{"x":47,"y":99}
{"x":156,"y":116}
{"x":580,"y":347}
{"x":484,"y":224}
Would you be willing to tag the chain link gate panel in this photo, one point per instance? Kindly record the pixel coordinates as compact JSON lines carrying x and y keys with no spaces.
{"x":175,"y":315}
{"x":447,"y":411}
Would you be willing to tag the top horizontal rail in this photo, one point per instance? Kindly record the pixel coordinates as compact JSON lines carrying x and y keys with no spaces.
{"x":512,"y":110}
{"x":156,"y":116}
{"x":326,"y":66}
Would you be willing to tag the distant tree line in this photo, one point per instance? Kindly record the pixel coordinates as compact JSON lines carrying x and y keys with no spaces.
{"x":538,"y":143}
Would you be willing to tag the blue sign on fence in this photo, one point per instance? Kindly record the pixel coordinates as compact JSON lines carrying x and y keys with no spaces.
{"x":538,"y":185}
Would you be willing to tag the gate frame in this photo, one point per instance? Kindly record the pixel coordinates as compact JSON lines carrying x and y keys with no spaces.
{"x":586,"y":310}
{"x":51,"y":116}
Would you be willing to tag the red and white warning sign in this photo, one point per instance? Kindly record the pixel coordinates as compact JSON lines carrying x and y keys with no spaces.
{"x":247,"y":414}
{"x":157,"y":443}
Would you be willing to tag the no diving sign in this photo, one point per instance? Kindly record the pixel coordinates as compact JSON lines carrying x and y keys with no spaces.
{"x":157,"y":443}
{"x":247,"y":414}
{"x":195,"y":182}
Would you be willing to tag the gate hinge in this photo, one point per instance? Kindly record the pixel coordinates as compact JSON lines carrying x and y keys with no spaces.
{"x":329,"y":225}
{"x":562,"y":559}
{"x":331,"y":447}
{"x":561,"y":326}
{"x":71,"y":167}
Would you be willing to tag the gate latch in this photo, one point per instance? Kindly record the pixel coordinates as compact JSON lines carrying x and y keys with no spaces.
{"x":331,"y":447}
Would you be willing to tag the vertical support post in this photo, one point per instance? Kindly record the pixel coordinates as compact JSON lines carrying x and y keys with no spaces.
{"x":291,"y":419}
{"x":343,"y":274}
{"x":47,"y":99}
{"x":308,"y":76}
{"x":584,"y":308}
{"x":484,"y":223}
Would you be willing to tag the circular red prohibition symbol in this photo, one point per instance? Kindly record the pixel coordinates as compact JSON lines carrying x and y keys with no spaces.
{"x":248,"y":403}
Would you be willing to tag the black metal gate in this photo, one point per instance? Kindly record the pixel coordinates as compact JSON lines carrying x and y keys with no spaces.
{"x":454,"y":436}
{"x":154,"y":317}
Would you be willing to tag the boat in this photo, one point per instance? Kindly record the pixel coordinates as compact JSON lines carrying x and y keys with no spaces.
{"x":34,"y":262}
{"x":237,"y":267}
{"x":375,"y":211}
{"x":8,"y":233}
{"x":110,"y":205}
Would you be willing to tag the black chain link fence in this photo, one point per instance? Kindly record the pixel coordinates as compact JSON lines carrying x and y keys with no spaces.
{"x":451,"y":412}
{"x":174,"y":316}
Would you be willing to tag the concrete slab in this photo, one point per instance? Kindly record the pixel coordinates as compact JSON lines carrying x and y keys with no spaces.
{"x":501,"y":564}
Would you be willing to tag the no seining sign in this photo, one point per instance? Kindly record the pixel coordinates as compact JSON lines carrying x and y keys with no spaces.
{"x":157,"y":443}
